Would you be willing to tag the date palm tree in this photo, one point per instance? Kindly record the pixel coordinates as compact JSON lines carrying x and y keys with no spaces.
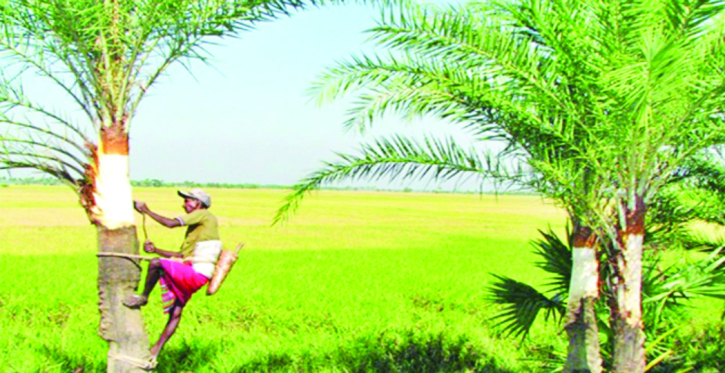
{"x":668,"y":292}
{"x":104,"y":56}
{"x":599,"y":101}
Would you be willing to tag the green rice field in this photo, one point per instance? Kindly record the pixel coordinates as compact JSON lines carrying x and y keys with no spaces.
{"x":354,"y":282}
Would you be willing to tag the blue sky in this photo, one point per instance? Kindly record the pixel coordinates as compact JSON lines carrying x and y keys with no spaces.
{"x":247,"y":118}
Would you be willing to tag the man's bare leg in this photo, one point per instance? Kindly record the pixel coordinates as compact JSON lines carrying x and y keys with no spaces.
{"x":152,"y":277}
{"x":174,"y":318}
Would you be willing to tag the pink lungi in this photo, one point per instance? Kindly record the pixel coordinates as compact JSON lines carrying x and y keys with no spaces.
{"x":178,"y":282}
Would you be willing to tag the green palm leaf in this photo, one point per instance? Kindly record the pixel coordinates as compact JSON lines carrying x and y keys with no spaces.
{"x":399,"y":157}
{"x":676,"y":285}
{"x":556,"y":260}
{"x":521,"y":304}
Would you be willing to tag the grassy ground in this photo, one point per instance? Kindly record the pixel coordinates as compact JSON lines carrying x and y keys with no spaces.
{"x":356,"y":281}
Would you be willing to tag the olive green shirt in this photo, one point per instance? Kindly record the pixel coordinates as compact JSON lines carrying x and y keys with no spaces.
{"x":202,"y":226}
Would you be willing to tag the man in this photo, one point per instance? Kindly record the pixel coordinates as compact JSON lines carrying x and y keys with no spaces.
{"x":181,"y":273}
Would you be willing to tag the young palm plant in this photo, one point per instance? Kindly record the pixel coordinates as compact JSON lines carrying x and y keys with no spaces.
{"x":599,"y":101}
{"x":522,"y":303}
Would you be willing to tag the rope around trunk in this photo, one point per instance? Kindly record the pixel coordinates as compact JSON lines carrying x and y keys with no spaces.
{"x":123,"y":255}
{"x":133,"y":258}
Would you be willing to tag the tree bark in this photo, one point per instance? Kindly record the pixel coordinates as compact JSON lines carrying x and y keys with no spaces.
{"x":629,"y":356}
{"x":121,"y":326}
{"x":581,"y":321}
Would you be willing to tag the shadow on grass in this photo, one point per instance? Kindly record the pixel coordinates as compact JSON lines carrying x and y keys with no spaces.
{"x":187,"y":358}
{"x":174,"y":359}
{"x":386,"y":354}
{"x":70,"y":362}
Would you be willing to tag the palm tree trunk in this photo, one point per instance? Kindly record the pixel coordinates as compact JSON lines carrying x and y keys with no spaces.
{"x":629,"y":335}
{"x":581,"y":322}
{"x":122,"y":327}
{"x":112,"y":212}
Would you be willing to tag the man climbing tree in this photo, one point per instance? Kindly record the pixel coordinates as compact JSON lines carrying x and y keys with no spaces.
{"x":104,"y":56}
{"x":184,"y":272}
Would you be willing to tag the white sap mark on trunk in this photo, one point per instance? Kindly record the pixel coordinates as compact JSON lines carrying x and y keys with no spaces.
{"x":113,"y":201}
{"x":584,"y":276}
{"x":630,"y":297}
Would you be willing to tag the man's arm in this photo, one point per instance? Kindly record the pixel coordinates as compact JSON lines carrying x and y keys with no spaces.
{"x":144,"y":209}
{"x":149,"y":247}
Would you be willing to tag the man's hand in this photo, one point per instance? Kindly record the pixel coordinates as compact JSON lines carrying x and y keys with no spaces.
{"x":141,"y":207}
{"x":149,"y":247}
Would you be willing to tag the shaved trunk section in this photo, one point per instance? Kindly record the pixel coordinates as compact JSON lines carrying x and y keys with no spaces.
{"x":581,"y":322}
{"x":113,"y":203}
{"x":629,"y":355}
{"x":111,"y":208}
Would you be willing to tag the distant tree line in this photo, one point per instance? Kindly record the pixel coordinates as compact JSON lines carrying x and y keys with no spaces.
{"x":157,"y":183}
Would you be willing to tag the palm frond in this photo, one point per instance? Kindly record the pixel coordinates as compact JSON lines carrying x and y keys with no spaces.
{"x":397,"y":158}
{"x":474,"y":37}
{"x":464,"y":57}
{"x":426,"y":87}
{"x":556,"y":260}
{"x":689,"y":16}
{"x":679,"y":284}
{"x":413,"y":86}
{"x":521,"y":304}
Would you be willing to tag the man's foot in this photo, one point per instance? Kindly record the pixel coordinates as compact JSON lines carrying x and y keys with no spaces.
{"x":135,"y":301}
